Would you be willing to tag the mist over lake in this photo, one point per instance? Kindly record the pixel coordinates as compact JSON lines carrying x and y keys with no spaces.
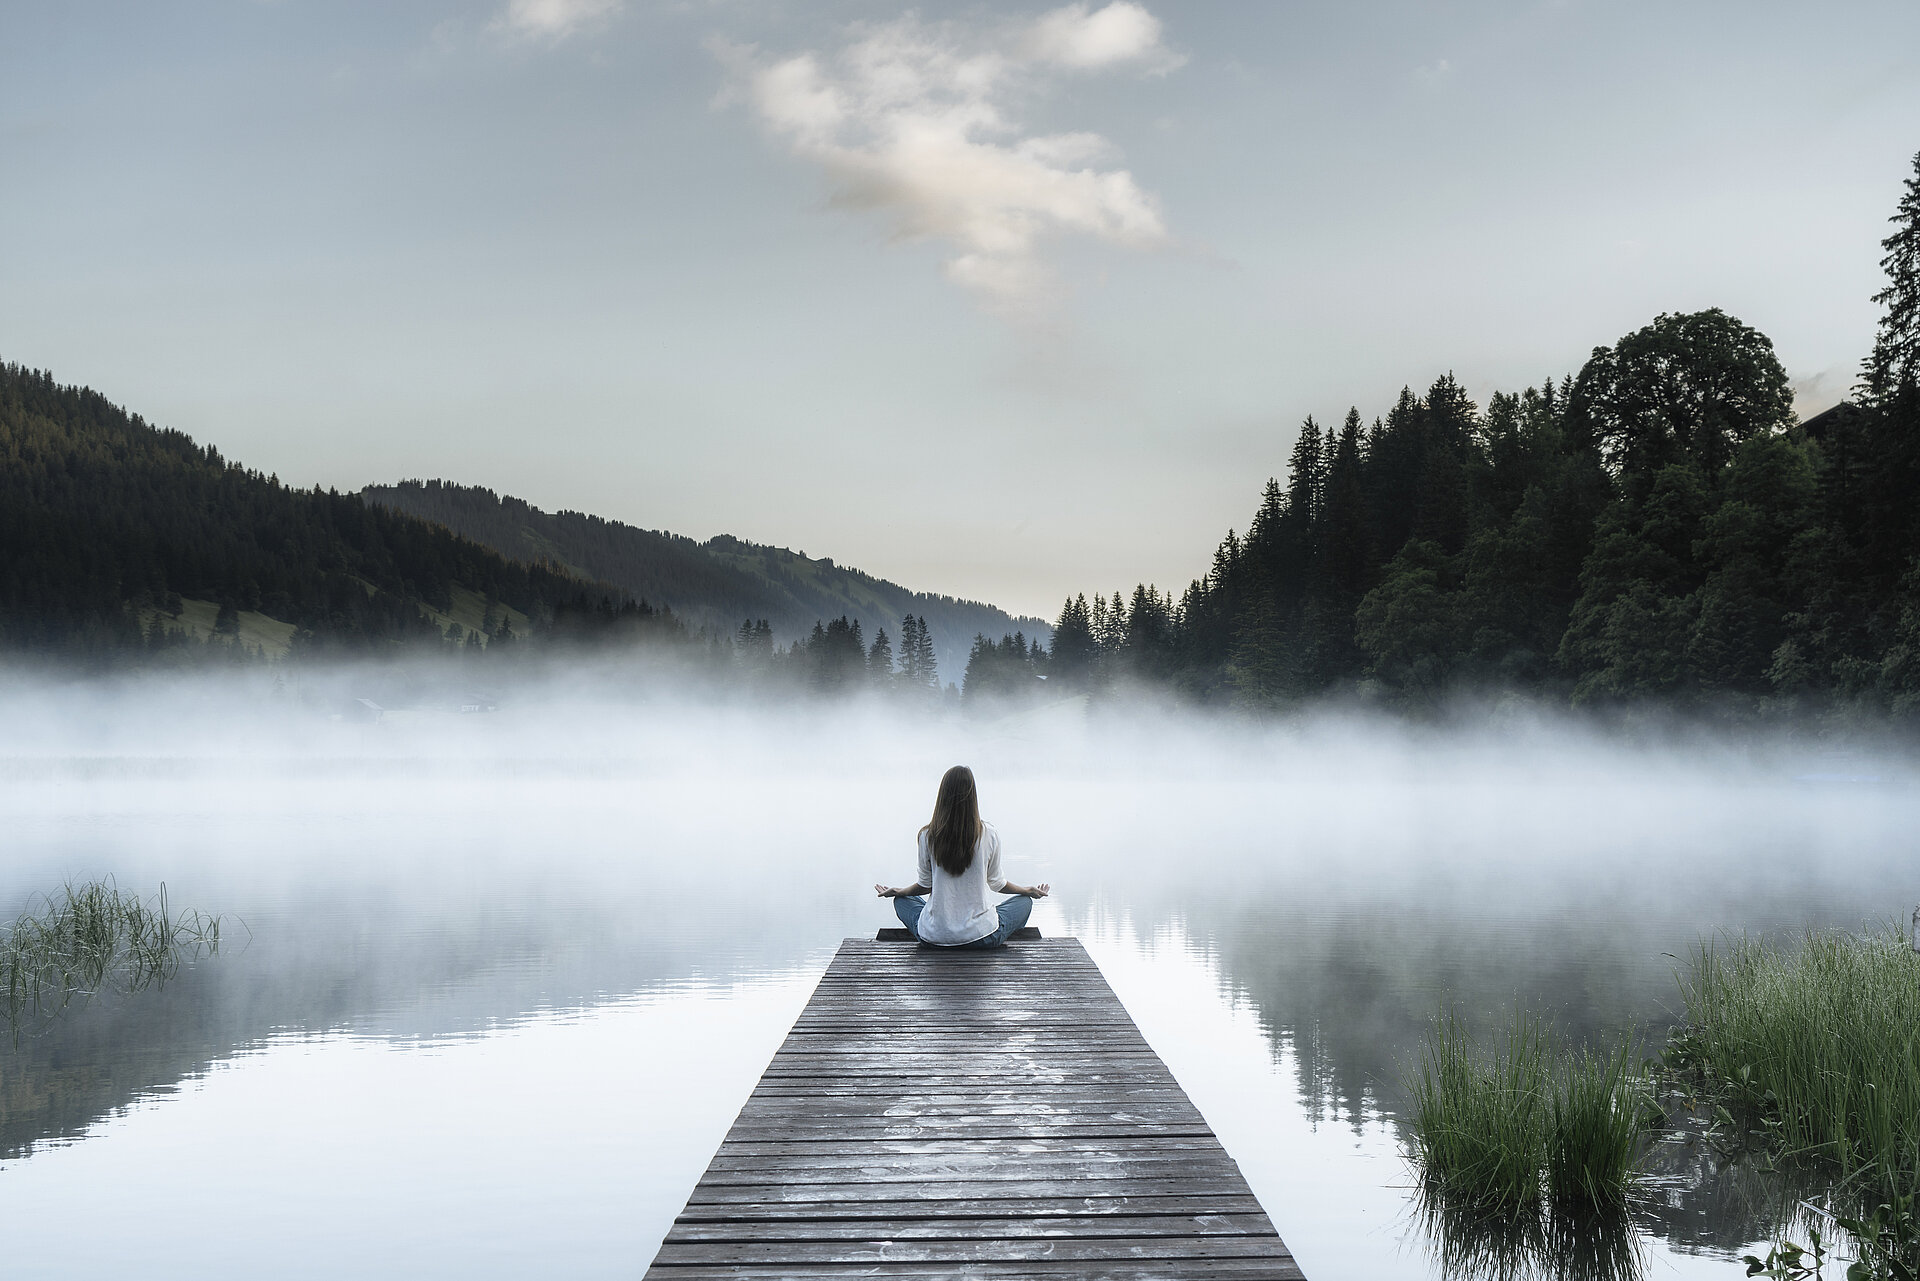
{"x":505,"y":978}
{"x":1082,"y":641}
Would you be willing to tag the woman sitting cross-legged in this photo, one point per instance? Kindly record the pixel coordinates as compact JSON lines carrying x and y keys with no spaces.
{"x":959,"y":862}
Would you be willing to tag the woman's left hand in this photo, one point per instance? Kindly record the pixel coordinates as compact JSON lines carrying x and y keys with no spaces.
{"x":1038,"y":891}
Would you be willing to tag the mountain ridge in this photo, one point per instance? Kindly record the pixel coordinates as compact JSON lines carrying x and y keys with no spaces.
{"x":714,"y":584}
{"x":110,"y":526}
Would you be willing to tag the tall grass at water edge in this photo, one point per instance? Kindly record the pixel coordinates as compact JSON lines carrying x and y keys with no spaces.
{"x":1820,"y":1043}
{"x":86,"y":938}
{"x":1524,"y":1121}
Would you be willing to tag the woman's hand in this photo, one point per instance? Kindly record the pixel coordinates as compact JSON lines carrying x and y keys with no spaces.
{"x":885,"y":892}
{"x":1038,"y":891}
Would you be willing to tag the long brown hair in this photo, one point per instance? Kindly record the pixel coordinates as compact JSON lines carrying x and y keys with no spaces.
{"x":955,"y":827}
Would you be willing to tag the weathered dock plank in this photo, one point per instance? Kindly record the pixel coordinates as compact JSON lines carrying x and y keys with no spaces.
{"x":970,"y":1114}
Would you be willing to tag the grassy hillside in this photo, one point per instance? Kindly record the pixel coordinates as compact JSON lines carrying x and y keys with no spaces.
{"x":714,"y":584}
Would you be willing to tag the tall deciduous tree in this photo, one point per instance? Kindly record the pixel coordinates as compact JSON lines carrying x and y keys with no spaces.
{"x":1686,"y":387}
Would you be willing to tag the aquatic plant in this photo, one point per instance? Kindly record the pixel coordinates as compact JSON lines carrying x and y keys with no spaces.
{"x":1595,"y":1119}
{"x":1820,"y":1044}
{"x":1478,"y":1128}
{"x":1500,"y":1130}
{"x":87,"y":938}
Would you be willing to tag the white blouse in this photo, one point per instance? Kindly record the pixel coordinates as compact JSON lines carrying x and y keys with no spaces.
{"x":957,"y":910}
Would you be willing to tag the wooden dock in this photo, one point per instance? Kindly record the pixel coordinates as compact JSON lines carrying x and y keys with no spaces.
{"x":970,"y":1114}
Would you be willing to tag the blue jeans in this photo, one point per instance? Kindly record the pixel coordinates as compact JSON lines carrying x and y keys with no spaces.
{"x":1013,"y":914}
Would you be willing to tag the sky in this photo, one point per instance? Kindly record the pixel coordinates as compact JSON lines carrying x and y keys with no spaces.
{"x":1001,"y":301}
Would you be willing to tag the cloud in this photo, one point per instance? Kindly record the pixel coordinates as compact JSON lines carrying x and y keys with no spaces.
{"x":1118,"y":34}
{"x":1819,"y":392}
{"x":551,"y":21}
{"x":912,"y":121}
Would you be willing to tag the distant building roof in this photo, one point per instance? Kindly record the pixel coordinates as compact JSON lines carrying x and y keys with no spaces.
{"x":1824,"y":423}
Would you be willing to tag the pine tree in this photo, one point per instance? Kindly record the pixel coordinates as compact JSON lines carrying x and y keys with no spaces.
{"x":1271,"y":512}
{"x":976,"y":680}
{"x":928,"y":666}
{"x":1074,"y":647}
{"x":1895,"y":362}
{"x":880,"y":659}
{"x":1347,"y":554}
{"x":1395,"y":460}
{"x":910,"y":673}
{"x":1114,"y":635}
{"x":1305,"y":473}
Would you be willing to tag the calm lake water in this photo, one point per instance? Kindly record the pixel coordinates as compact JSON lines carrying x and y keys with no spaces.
{"x":509,"y":978}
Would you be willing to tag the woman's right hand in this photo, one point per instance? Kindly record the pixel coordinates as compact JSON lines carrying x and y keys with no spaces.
{"x":884,"y":891}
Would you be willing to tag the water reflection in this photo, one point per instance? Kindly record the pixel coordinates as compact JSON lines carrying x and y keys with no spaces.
{"x":378,"y":967}
{"x":1603,"y":1246}
{"x":1702,"y":1198}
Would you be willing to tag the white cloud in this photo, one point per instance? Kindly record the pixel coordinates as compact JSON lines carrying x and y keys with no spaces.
{"x":1120,"y":33}
{"x":911,"y":120}
{"x":1817,"y":393}
{"x":552,"y":20}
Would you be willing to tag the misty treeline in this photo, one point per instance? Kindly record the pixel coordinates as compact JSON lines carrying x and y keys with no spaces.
{"x":836,"y":658}
{"x":1657,"y":527}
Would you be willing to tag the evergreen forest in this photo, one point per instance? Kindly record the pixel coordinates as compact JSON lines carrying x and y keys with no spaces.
{"x":1657,"y":528}
{"x":108,"y":525}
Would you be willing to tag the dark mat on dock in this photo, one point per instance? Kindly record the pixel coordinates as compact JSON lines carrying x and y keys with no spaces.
{"x":994,"y":1113}
{"x":898,"y":935}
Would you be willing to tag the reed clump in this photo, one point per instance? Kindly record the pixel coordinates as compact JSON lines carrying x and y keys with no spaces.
{"x":91,"y":937}
{"x":1596,"y":1119}
{"x":1819,"y":1043}
{"x":1525,"y":1124}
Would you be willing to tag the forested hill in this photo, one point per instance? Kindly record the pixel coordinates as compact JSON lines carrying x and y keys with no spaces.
{"x":113,"y":532}
{"x":1657,"y":530}
{"x":717,"y":583}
